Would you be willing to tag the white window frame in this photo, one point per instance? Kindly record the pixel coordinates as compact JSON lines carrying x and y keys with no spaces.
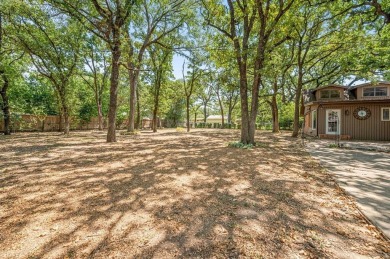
{"x":314,"y":125}
{"x":375,"y":87}
{"x":338,"y":132}
{"x":382,"y":109}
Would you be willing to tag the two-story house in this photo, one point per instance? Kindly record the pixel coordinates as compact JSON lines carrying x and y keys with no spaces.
{"x":356,"y":112}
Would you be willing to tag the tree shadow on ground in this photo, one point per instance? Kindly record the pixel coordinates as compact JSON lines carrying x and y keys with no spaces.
{"x":174,"y":195}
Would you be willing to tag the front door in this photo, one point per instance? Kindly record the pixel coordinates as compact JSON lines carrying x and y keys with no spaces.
{"x":333,"y":120}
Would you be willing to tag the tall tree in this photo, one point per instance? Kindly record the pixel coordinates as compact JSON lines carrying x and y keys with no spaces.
{"x":190,"y":82}
{"x":153,"y":21}
{"x":106,"y":20}
{"x":161,"y":60}
{"x":95,"y":71}
{"x":316,"y":32}
{"x":245,"y":23}
{"x":53,"y":48}
{"x":9,"y":54}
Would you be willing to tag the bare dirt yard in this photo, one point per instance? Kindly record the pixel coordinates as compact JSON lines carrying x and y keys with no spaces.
{"x":173,"y":195}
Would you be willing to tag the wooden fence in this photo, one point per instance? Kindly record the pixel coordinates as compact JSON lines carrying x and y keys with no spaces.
{"x":28,"y":122}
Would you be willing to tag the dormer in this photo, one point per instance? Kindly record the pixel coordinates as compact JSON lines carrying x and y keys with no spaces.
{"x":370,"y":91}
{"x":331,"y":93}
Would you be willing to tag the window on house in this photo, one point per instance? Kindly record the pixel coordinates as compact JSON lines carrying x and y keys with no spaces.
{"x":375,"y":91}
{"x":314,"y":119}
{"x":386,"y":114}
{"x":330,"y":94}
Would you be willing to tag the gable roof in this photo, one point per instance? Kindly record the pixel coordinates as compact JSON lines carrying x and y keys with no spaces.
{"x":332,"y":85}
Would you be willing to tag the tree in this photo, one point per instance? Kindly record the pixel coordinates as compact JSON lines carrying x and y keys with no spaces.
{"x":53,"y":48}
{"x":105,"y":20}
{"x":315,"y":52}
{"x":152,"y":22}
{"x":97,"y":72}
{"x":239,"y":24}
{"x":159,"y":60}
{"x":5,"y":63}
{"x":189,"y":84}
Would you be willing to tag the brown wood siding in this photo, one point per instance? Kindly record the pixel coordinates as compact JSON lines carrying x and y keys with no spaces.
{"x":370,"y":129}
{"x":359,"y":92}
{"x":308,"y":127}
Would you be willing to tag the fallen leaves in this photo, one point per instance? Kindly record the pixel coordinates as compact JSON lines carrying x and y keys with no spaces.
{"x":174,"y":195}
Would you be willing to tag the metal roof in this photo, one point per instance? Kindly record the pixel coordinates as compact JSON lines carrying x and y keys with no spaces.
{"x":369,"y":84}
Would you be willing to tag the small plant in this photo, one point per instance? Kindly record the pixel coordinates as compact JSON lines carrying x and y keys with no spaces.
{"x":333,"y":145}
{"x":240,"y":145}
{"x":180,"y":129}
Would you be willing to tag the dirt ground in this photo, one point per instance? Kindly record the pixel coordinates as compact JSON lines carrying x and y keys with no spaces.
{"x":173,"y":195}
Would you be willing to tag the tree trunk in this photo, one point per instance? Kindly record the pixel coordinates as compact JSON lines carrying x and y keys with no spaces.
{"x":5,"y":105}
{"x":133,"y":75}
{"x":60,"y":125}
{"x":116,"y":54}
{"x":274,"y":108}
{"x":205,"y":112}
{"x":156,"y":102}
{"x":100,"y":113}
{"x":297,"y":103}
{"x":245,"y":138}
{"x":221,"y":108}
{"x":275,"y":115}
{"x":155,"y":119}
{"x":66,"y":120}
{"x":188,"y":113}
{"x":196,"y":113}
{"x":230,"y":109}
{"x":138,"y":119}
{"x":65,"y":111}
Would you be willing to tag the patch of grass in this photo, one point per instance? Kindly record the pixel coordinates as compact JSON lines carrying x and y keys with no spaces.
{"x":180,"y":129}
{"x":240,"y":145}
{"x":333,"y":145}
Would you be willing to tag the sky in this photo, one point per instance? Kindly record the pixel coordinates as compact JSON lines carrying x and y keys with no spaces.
{"x":177,"y":64}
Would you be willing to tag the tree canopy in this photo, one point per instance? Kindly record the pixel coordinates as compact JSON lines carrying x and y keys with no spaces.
{"x":175,"y":61}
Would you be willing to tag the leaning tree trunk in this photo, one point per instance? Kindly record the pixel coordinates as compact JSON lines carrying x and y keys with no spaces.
{"x":116,"y":54}
{"x":5,"y":105}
